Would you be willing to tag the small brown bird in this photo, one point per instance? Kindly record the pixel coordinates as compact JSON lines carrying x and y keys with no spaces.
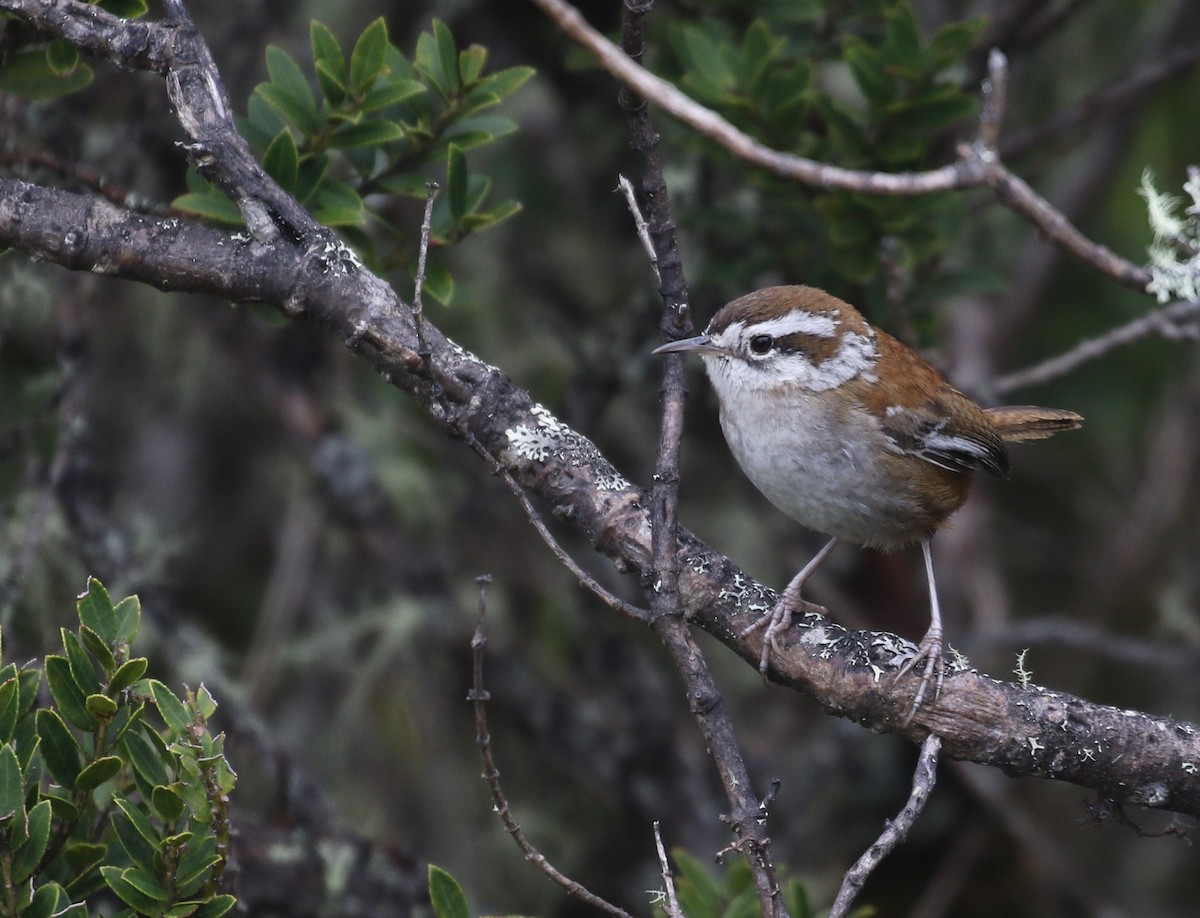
{"x":849,"y":432}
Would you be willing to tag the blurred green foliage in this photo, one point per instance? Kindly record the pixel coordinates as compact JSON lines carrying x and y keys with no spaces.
{"x":95,"y":794}
{"x":379,"y":122}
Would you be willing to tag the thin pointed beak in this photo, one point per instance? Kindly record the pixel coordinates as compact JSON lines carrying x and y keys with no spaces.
{"x":702,"y":344}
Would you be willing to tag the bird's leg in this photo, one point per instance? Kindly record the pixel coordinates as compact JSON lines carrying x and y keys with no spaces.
{"x":780,"y":617}
{"x":930,"y":648}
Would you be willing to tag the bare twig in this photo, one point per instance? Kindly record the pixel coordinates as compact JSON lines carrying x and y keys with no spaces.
{"x":673,"y":910}
{"x":1176,"y":320}
{"x":639,"y":223}
{"x":479,"y":697}
{"x":924,"y":777}
{"x":978,"y":165}
{"x":431,"y":189}
{"x":747,"y":815}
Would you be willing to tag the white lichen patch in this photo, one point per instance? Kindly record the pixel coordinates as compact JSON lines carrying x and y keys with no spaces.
{"x":338,"y":258}
{"x":549,"y":438}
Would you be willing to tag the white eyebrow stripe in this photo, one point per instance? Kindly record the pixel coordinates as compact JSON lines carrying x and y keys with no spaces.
{"x":798,"y":322}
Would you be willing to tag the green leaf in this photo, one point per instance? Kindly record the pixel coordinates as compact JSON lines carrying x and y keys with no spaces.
{"x":282,"y":160}
{"x":312,"y":170}
{"x":127,"y":615}
{"x":12,"y":787}
{"x":167,"y":803}
{"x":289,"y":92}
{"x":390,"y":92}
{"x":329,"y":62}
{"x":867,"y":65}
{"x":933,"y":109}
{"x":95,"y":609}
{"x":62,"y":57}
{"x":146,"y":758}
{"x":173,"y":711}
{"x":215,"y":907}
{"x":212,"y":205}
{"x":206,"y":705}
{"x":367,"y":58}
{"x":126,"y":9}
{"x":129,"y":893}
{"x":439,"y":283}
{"x":98,"y":772}
{"x":66,"y":693}
{"x":28,"y":74}
{"x":471,"y":62}
{"x":371,"y":133}
{"x":37,"y":839}
{"x":437,"y":60}
{"x":128,"y":673}
{"x":140,"y":849}
{"x":50,"y":901}
{"x":952,"y":42}
{"x":337,"y":204}
{"x":504,"y":83}
{"x":96,"y":646}
{"x":100,"y":707}
{"x":83,"y":671}
{"x":196,"y":865}
{"x":447,"y":54}
{"x":125,"y":717}
{"x":446,"y":895}
{"x":457,"y":178}
{"x":10,"y":703}
{"x":904,"y":38}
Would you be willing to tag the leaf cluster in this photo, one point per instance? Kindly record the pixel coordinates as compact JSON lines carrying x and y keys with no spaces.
{"x":378,"y":125}
{"x":99,"y":792}
{"x":853,"y":84}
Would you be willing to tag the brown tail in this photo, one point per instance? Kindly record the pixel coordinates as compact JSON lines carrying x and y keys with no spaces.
{"x":1024,"y":422}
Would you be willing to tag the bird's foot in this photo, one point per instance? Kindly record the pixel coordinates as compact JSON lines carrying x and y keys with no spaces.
{"x":929,"y":651}
{"x":775,"y":622}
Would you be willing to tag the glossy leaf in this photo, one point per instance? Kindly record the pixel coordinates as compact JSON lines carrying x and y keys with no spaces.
{"x":10,"y":703}
{"x":95,"y":609}
{"x":457,"y":178}
{"x":127,"y":615}
{"x":12,"y":787}
{"x":289,"y":92}
{"x":146,"y":759}
{"x":130,"y":894}
{"x":367,"y":58}
{"x":282,"y":160}
{"x":446,"y":896}
{"x":50,"y":901}
{"x":215,"y":907}
{"x":167,"y":803}
{"x":37,"y":839}
{"x":367,"y":134}
{"x":128,"y":673}
{"x":206,"y":705}
{"x":126,"y":9}
{"x":83,"y":671}
{"x":212,"y":205}
{"x":196,"y":864}
{"x":173,"y":711}
{"x":390,"y":92}
{"x":98,"y":772}
{"x":96,"y":646}
{"x":329,"y":62}
{"x":141,"y":850}
{"x":66,"y":693}
{"x":337,"y":204}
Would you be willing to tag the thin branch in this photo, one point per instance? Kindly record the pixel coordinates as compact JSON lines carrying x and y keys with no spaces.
{"x":672,"y":909}
{"x":639,"y":224}
{"x":979,"y":163}
{"x":1174,"y":321}
{"x":479,"y":697}
{"x":747,"y":814}
{"x":431,"y":189}
{"x":924,"y":778}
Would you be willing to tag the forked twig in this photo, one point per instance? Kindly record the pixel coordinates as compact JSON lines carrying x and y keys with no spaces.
{"x":479,"y":697}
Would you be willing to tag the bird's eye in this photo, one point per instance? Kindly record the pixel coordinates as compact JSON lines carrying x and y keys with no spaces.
{"x":761,"y":344}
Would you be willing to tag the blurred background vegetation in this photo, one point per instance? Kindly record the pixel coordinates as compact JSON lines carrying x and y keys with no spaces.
{"x":305,"y":542}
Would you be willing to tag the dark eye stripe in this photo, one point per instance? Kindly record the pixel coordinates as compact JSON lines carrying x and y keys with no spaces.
{"x":817,"y":347}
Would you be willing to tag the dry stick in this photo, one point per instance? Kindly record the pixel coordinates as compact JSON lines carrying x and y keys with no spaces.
{"x":479,"y":697}
{"x":673,"y":909}
{"x":418,"y":314}
{"x":895,"y":832}
{"x":707,"y":705}
{"x":639,"y":223}
{"x":585,"y":579}
{"x":1171,"y":321}
{"x":979,"y":163}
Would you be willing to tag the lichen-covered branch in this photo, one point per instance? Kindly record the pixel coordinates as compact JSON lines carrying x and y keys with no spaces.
{"x":1125,"y":756}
